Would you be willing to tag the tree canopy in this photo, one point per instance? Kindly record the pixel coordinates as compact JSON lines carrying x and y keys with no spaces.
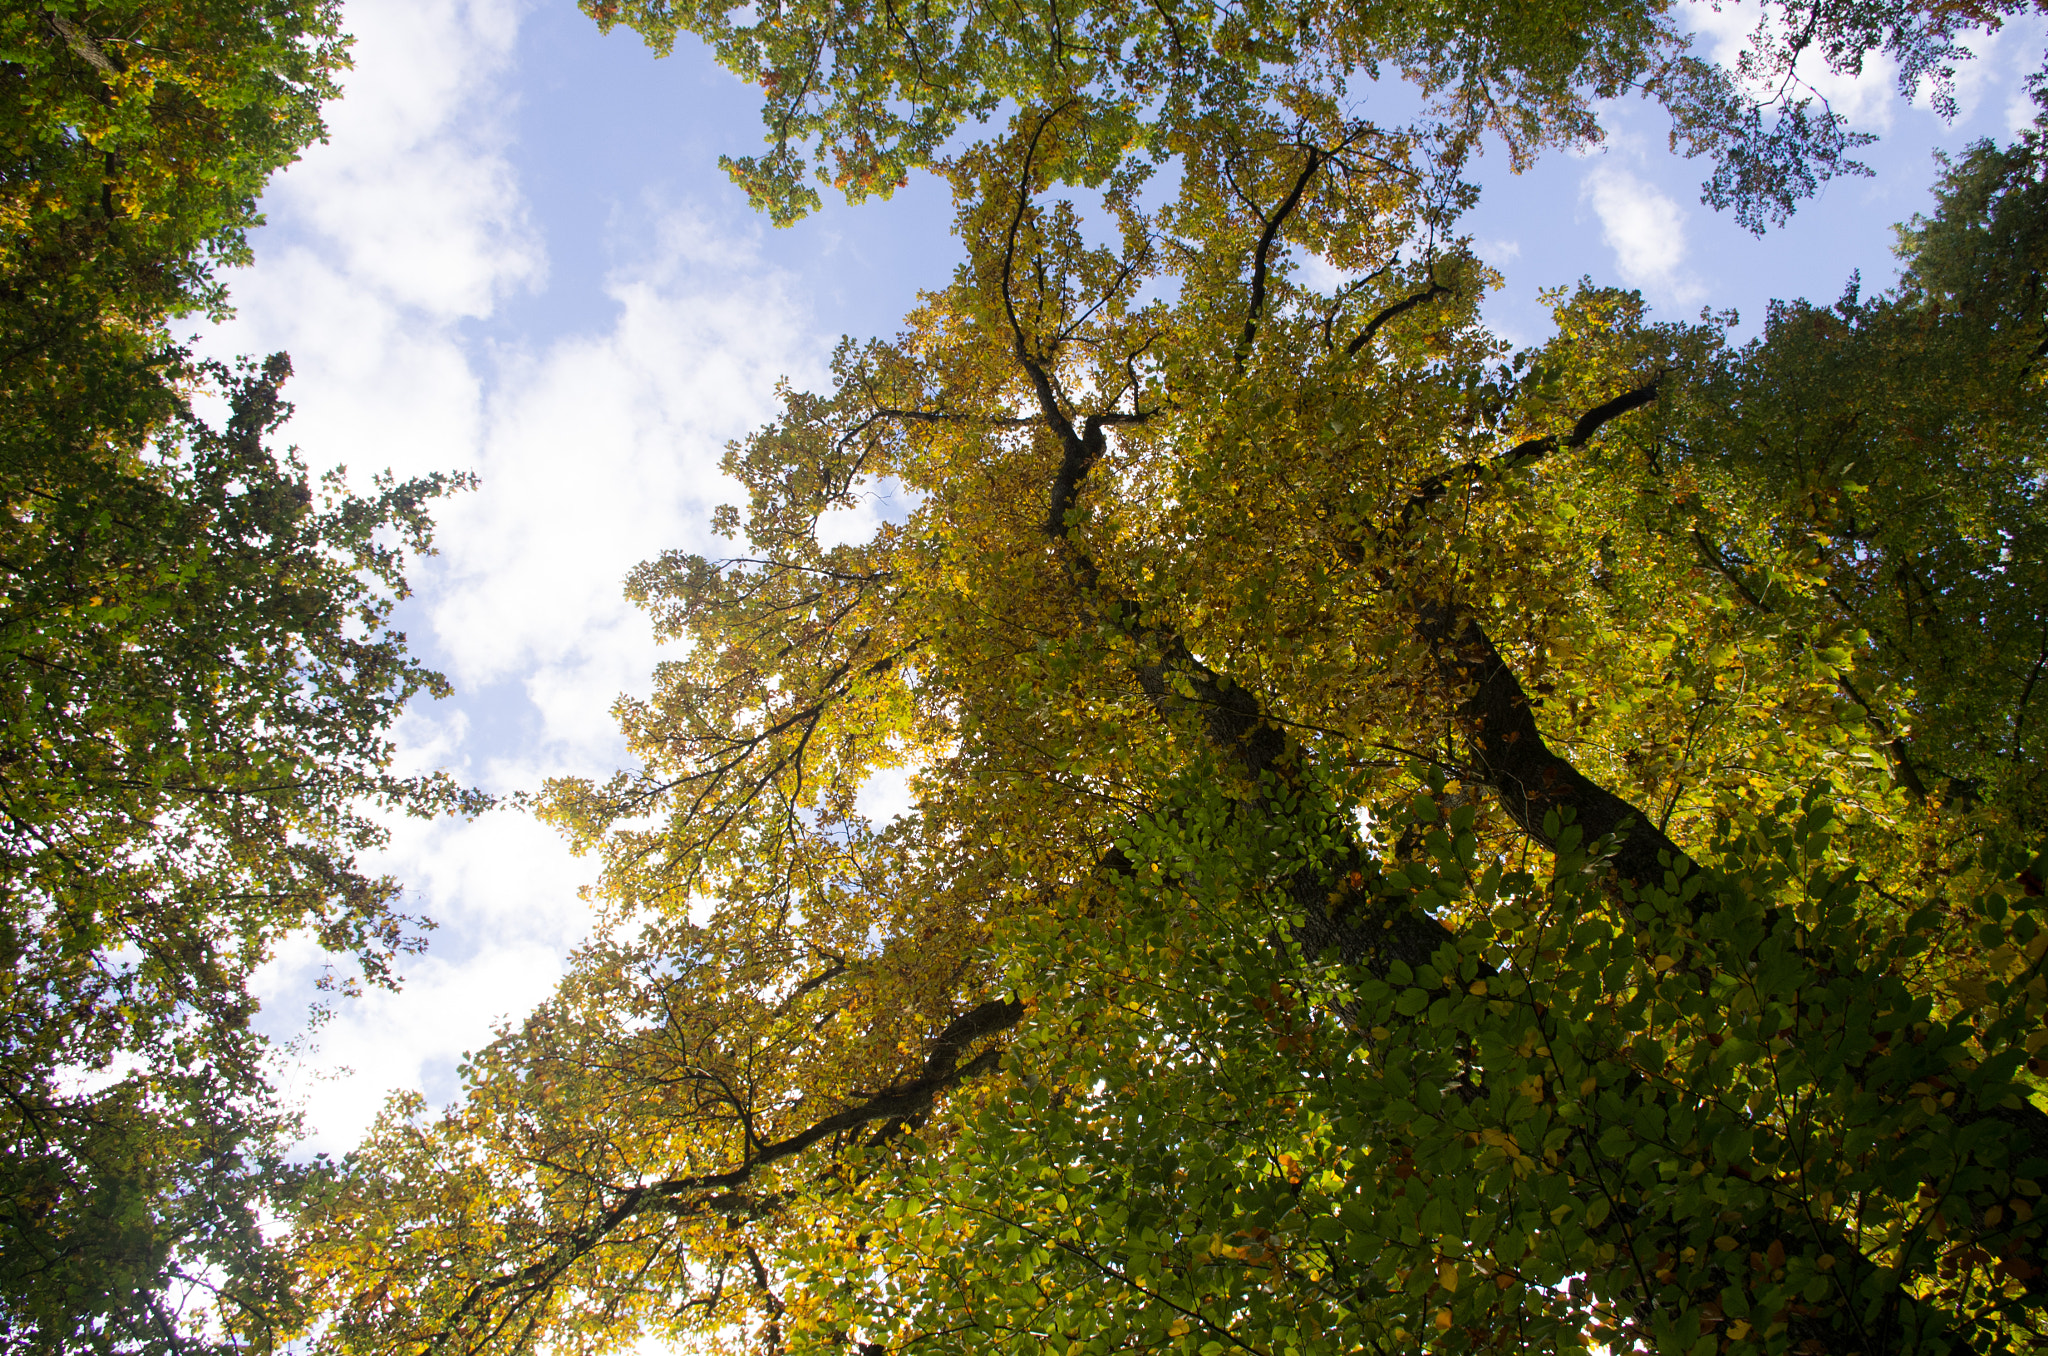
{"x":199,"y":686}
{"x":198,"y":679}
{"x":867,"y":94}
{"x":1414,"y":844}
{"x":134,"y":138}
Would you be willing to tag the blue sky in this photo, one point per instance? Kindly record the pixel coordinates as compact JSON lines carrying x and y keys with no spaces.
{"x":516,"y":256}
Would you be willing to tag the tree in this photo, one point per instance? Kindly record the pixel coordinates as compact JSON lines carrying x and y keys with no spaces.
{"x":197,"y":678}
{"x":1414,"y":844}
{"x":197,"y":685}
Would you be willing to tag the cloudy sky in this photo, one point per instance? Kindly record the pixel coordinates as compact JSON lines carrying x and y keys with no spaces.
{"x":516,"y":256}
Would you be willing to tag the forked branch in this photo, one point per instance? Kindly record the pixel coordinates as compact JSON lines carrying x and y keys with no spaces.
{"x":1262,"y":254}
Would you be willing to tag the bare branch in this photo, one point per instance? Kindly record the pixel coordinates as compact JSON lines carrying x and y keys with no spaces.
{"x":949,"y":417}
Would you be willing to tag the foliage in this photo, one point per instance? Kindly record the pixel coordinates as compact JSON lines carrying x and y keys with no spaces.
{"x":197,"y":685}
{"x":1981,"y":253}
{"x":1412,"y":844}
{"x":868,"y":96}
{"x":197,"y":676}
{"x":1221,"y":1153}
{"x":134,"y":138}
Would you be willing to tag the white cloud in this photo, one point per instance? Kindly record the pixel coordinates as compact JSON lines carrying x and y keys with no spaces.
{"x":1320,"y":274}
{"x":504,"y":893}
{"x":1870,"y":100}
{"x":406,"y":221}
{"x":886,"y":795}
{"x":413,"y":195}
{"x":390,"y":250}
{"x":601,"y":451}
{"x":1646,"y":231}
{"x":1995,"y":73}
{"x":2005,"y":59}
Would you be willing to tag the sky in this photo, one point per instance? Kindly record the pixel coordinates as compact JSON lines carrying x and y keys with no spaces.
{"x":516,"y":256}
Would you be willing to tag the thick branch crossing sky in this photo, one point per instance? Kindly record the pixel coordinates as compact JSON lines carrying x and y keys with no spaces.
{"x":517,"y":256}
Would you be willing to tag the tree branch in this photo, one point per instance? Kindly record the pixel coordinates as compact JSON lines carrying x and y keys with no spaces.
{"x":1408,"y":303}
{"x":948,"y":417}
{"x":82,"y":44}
{"x":1436,"y":486}
{"x":1262,"y":254}
{"x":1508,"y":753}
{"x":942,"y":1070}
